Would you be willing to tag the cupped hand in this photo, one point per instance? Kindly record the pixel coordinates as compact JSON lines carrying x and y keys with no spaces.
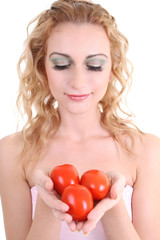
{"x":117,"y":182}
{"x":45,"y":188}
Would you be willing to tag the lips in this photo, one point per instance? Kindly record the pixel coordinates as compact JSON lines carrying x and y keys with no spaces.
{"x":78,"y":97}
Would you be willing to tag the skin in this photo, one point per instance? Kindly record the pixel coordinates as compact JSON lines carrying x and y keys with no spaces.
{"x":85,"y":143}
{"x":77,"y":79}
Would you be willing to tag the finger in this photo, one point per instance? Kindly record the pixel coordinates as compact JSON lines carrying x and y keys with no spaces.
{"x":42,"y":179}
{"x":95,"y":215}
{"x":80,"y":225}
{"x":88,"y":226}
{"x":117,"y":188}
{"x":117,"y":182}
{"x":51,"y":198}
{"x":103,"y":206}
{"x":59,"y":205}
{"x":72,"y":226}
{"x":49,"y":184}
{"x":114,"y":177}
{"x":62,"y":216}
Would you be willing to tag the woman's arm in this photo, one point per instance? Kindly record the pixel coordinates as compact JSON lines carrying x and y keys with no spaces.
{"x":146,"y":197}
{"x":14,"y":190}
{"x":117,"y":224}
{"x":145,"y":201}
{"x":45,"y":224}
{"x":17,"y":201}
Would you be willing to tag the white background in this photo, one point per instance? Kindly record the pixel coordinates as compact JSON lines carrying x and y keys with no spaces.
{"x":138,"y":20}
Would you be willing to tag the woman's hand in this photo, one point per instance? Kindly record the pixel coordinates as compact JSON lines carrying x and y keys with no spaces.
{"x":118,"y":183}
{"x":46,"y":191}
{"x":45,"y":188}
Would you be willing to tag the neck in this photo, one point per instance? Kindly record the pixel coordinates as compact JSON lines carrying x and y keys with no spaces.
{"x":79,"y":127}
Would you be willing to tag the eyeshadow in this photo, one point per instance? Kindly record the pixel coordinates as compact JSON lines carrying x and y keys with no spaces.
{"x":95,"y":61}
{"x":59,"y":60}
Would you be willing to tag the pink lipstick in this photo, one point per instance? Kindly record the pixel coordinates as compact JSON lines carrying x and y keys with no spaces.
{"x":78,"y":98}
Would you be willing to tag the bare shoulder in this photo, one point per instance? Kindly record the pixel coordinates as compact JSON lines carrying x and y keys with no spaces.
{"x":11,"y":141}
{"x":10,"y":149}
{"x":148,"y":148}
{"x":152,"y":142}
{"x":146,"y":194}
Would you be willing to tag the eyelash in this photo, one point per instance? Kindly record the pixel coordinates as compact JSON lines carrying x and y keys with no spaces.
{"x":90,"y":68}
{"x":56,"y":67}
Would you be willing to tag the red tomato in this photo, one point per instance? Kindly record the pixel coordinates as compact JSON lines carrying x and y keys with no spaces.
{"x":63,"y":176}
{"x":80,"y":201}
{"x":97,"y":182}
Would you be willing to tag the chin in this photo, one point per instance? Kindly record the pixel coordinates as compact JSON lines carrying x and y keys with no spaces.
{"x":78,"y":108}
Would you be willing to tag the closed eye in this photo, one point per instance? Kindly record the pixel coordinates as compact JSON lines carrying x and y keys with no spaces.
{"x":61,"y":67}
{"x":92,"y":68}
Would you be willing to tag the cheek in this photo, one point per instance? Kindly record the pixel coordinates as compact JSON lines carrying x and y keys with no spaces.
{"x":54,"y":85}
{"x":104,"y":87}
{"x":51,"y":76}
{"x":101,"y":85}
{"x":103,"y":80}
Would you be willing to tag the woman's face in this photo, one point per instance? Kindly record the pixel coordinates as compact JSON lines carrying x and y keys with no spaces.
{"x":78,"y":66}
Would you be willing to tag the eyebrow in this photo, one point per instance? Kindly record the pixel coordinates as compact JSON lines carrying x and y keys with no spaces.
{"x":98,"y":54}
{"x":62,"y":54}
{"x":89,"y":56}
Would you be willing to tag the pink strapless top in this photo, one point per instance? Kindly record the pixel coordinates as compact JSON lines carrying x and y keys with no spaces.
{"x":98,"y":232}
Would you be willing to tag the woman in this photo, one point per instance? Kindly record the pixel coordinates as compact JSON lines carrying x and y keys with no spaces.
{"x":73,"y":75}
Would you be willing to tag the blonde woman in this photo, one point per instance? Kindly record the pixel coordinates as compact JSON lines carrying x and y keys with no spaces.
{"x":74,"y":74}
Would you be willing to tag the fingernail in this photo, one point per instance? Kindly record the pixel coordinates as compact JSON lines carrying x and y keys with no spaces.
{"x":115,"y":196}
{"x":85,"y":233}
{"x":47,"y":185}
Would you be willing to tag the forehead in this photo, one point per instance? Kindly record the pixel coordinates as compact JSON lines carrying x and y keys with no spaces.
{"x":83,"y":38}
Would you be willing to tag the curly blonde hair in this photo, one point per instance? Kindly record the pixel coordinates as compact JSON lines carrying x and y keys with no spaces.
{"x":35,"y":97}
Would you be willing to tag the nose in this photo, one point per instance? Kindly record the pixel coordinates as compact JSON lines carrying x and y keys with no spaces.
{"x":78,"y":78}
